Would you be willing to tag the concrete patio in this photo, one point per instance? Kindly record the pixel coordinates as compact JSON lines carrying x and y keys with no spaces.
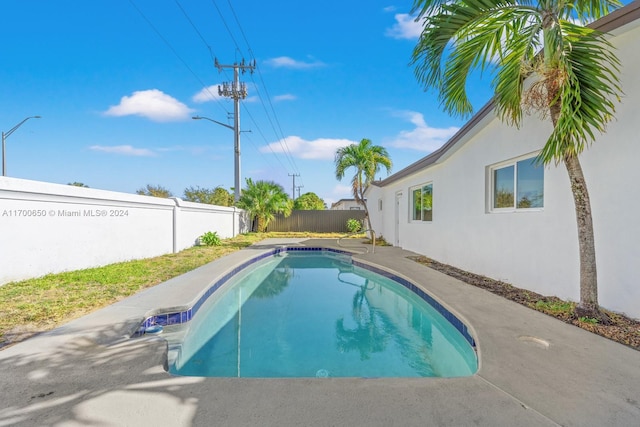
{"x":534,"y":370}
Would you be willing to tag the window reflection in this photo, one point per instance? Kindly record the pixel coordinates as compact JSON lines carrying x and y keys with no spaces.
{"x":530,"y":184}
{"x":503,"y":187}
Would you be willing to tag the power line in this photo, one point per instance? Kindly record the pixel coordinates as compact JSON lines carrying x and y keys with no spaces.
{"x":204,"y":41}
{"x":171,"y":48}
{"x":281,"y":138}
{"x":276,"y":128}
{"x":224,"y":21}
{"x":259,"y":130}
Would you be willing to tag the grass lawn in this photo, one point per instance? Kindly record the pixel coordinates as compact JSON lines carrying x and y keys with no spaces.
{"x":37,"y":305}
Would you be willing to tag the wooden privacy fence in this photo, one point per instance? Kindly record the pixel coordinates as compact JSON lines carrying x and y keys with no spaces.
{"x":327,"y":221}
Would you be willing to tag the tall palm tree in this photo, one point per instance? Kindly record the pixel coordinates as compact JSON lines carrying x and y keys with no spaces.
{"x":264,"y":199}
{"x":574,"y":74}
{"x":367,"y":159}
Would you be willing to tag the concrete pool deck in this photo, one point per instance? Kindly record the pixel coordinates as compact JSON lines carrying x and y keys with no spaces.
{"x":534,"y":370}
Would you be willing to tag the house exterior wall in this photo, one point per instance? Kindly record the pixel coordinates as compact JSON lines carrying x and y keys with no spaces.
{"x":533,"y":249}
{"x":49,"y":228}
{"x":345,"y":205}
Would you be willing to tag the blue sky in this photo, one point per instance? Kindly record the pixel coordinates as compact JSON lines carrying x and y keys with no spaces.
{"x":117,"y":82}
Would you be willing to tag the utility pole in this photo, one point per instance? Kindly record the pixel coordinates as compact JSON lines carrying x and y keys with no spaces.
{"x":236,"y":90}
{"x":298,"y":188}
{"x":293,"y":189}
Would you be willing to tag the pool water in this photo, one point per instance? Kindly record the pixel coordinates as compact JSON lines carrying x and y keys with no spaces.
{"x":315,"y":314}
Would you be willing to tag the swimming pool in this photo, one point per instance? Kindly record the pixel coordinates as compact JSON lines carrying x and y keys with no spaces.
{"x":317,"y":314}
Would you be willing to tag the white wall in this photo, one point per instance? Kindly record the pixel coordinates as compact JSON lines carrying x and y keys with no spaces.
{"x":536,"y":250}
{"x":48,"y":228}
{"x":195,"y":219}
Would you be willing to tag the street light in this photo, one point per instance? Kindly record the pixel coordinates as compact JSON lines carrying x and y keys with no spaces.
{"x":5,"y":135}
{"x":214,"y":121}
{"x":236,"y":134}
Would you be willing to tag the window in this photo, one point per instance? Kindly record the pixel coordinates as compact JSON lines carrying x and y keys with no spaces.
{"x":422,"y":203}
{"x":517,"y":185}
{"x":380,"y":204}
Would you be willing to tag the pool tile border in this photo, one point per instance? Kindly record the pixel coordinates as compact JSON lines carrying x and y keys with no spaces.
{"x":451,"y":318}
{"x":180,"y":317}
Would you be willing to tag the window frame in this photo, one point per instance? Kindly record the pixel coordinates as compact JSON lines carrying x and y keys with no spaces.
{"x":412,"y":211}
{"x":491,"y":193}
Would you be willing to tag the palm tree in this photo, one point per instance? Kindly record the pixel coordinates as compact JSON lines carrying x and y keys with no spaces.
{"x":575,"y":82}
{"x":264,"y":199}
{"x":366,"y":158}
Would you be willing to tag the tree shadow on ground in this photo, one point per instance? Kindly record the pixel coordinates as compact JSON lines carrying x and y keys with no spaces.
{"x":50,"y":381}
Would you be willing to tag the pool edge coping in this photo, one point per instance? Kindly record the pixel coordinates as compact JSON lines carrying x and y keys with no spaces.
{"x":180,"y":315}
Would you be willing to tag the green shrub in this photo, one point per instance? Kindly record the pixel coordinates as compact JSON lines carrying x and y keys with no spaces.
{"x":590,"y":320}
{"x":210,"y":238}
{"x":353,"y":225}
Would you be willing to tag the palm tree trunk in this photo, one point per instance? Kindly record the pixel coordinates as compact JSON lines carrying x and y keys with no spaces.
{"x":588,"y":306}
{"x":260,"y":224}
{"x":366,"y":209}
{"x":366,"y":215}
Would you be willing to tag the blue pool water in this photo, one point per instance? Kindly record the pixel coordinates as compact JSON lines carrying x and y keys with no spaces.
{"x":315,"y":314}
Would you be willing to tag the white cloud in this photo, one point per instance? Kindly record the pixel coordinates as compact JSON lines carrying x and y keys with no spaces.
{"x":209,"y":93}
{"x":125,"y":150}
{"x":318,"y":149}
{"x":285,"y":97}
{"x":342,"y":191}
{"x":422,"y":137}
{"x":405,"y":27}
{"x":152,"y":104}
{"x":286,"y":62}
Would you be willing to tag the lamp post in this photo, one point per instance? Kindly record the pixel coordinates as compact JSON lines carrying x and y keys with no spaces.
{"x":236,"y":131}
{"x":5,"y":135}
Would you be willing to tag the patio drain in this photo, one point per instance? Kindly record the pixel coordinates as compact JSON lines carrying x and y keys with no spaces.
{"x":535,"y":341}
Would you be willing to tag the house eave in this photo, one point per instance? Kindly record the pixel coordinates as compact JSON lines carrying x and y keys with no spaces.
{"x":609,"y":23}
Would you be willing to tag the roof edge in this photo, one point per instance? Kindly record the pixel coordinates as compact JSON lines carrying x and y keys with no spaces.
{"x":612,"y":21}
{"x":618,"y":18}
{"x":435,"y":156}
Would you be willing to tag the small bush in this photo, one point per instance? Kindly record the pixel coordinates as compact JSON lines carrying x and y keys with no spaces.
{"x":590,"y":320}
{"x":556,"y":306}
{"x":353,"y":225}
{"x":210,"y":238}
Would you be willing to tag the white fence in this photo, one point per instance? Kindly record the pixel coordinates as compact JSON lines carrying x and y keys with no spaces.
{"x":49,"y":228}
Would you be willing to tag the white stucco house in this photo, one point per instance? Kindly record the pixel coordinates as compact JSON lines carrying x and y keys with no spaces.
{"x":531,"y":239}
{"x":346,"y":205}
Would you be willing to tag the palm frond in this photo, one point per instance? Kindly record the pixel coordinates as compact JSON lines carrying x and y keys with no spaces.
{"x":465,"y":35}
{"x":588,"y":95}
{"x":586,"y":10}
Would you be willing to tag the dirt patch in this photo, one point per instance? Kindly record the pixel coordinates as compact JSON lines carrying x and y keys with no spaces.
{"x":18,"y":334}
{"x":622,"y":329}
